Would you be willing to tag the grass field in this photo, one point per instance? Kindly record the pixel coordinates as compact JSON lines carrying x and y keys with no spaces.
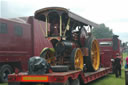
{"x":107,"y":80}
{"x":4,"y":84}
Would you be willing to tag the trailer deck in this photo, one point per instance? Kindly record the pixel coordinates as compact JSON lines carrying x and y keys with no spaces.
{"x":90,"y":76}
{"x":59,"y":77}
{"x":92,"y":73}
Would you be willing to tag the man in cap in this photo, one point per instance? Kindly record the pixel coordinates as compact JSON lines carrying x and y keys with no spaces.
{"x":117,"y":65}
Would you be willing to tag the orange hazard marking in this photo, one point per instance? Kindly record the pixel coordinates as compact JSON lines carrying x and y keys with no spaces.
{"x":34,"y":78}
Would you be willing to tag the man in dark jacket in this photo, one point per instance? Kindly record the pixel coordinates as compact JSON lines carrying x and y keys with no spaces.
{"x":117,"y":64}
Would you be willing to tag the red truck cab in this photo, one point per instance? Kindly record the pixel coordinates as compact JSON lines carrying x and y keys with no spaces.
{"x":20,"y":38}
{"x":109,"y":47}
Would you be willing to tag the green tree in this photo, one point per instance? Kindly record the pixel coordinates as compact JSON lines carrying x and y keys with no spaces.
{"x":102,"y":32}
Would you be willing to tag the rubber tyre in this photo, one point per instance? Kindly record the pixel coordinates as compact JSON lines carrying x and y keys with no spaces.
{"x":60,"y":68}
{"x":5,"y":69}
{"x":75,"y":82}
{"x":66,"y":83}
{"x":88,"y":61}
{"x":72,"y":58}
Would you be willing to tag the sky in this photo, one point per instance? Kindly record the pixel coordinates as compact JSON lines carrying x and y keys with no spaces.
{"x":113,"y":13}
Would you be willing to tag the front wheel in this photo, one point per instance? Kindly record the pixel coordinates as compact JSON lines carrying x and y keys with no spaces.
{"x":77,"y":59}
{"x":48,"y":54}
{"x":4,"y":71}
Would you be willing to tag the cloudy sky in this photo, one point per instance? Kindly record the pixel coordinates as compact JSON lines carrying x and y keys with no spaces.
{"x":114,"y":13}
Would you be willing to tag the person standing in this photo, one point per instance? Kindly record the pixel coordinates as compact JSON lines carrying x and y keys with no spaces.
{"x":117,"y":65}
{"x":127,"y":62}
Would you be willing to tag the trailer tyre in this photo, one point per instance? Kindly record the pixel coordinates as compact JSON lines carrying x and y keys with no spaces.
{"x":4,"y":71}
{"x":75,"y":82}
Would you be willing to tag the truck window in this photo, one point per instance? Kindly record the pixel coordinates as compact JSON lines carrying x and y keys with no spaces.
{"x":18,"y":30}
{"x":3,"y":28}
{"x":106,"y":43}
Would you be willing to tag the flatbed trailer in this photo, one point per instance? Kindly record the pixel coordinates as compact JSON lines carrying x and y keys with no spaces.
{"x":58,"y":78}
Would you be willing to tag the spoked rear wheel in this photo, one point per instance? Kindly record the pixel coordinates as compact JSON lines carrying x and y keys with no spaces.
{"x":77,"y":59}
{"x":93,"y":60}
{"x":95,"y":55}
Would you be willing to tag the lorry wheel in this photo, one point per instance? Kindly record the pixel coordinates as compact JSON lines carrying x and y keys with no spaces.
{"x":75,"y":82}
{"x":93,"y":60}
{"x":77,"y":59}
{"x":48,"y":54}
{"x":66,"y":83}
{"x":4,"y":71}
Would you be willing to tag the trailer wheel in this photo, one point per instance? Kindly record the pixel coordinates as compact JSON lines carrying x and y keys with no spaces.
{"x":4,"y":71}
{"x":93,"y":60}
{"x":77,"y":59}
{"x":75,"y":82}
{"x":66,"y":83}
{"x":48,"y":54}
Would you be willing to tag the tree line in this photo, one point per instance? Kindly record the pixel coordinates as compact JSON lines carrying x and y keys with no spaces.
{"x":105,"y":32}
{"x":102,"y":32}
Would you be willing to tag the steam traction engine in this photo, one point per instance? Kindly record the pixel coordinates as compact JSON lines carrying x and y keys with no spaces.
{"x":73,"y":46}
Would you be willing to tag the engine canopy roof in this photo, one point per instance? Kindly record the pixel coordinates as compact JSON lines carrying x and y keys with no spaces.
{"x":41,"y":13}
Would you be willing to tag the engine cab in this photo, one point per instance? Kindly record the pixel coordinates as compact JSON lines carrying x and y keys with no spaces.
{"x":67,"y":32}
